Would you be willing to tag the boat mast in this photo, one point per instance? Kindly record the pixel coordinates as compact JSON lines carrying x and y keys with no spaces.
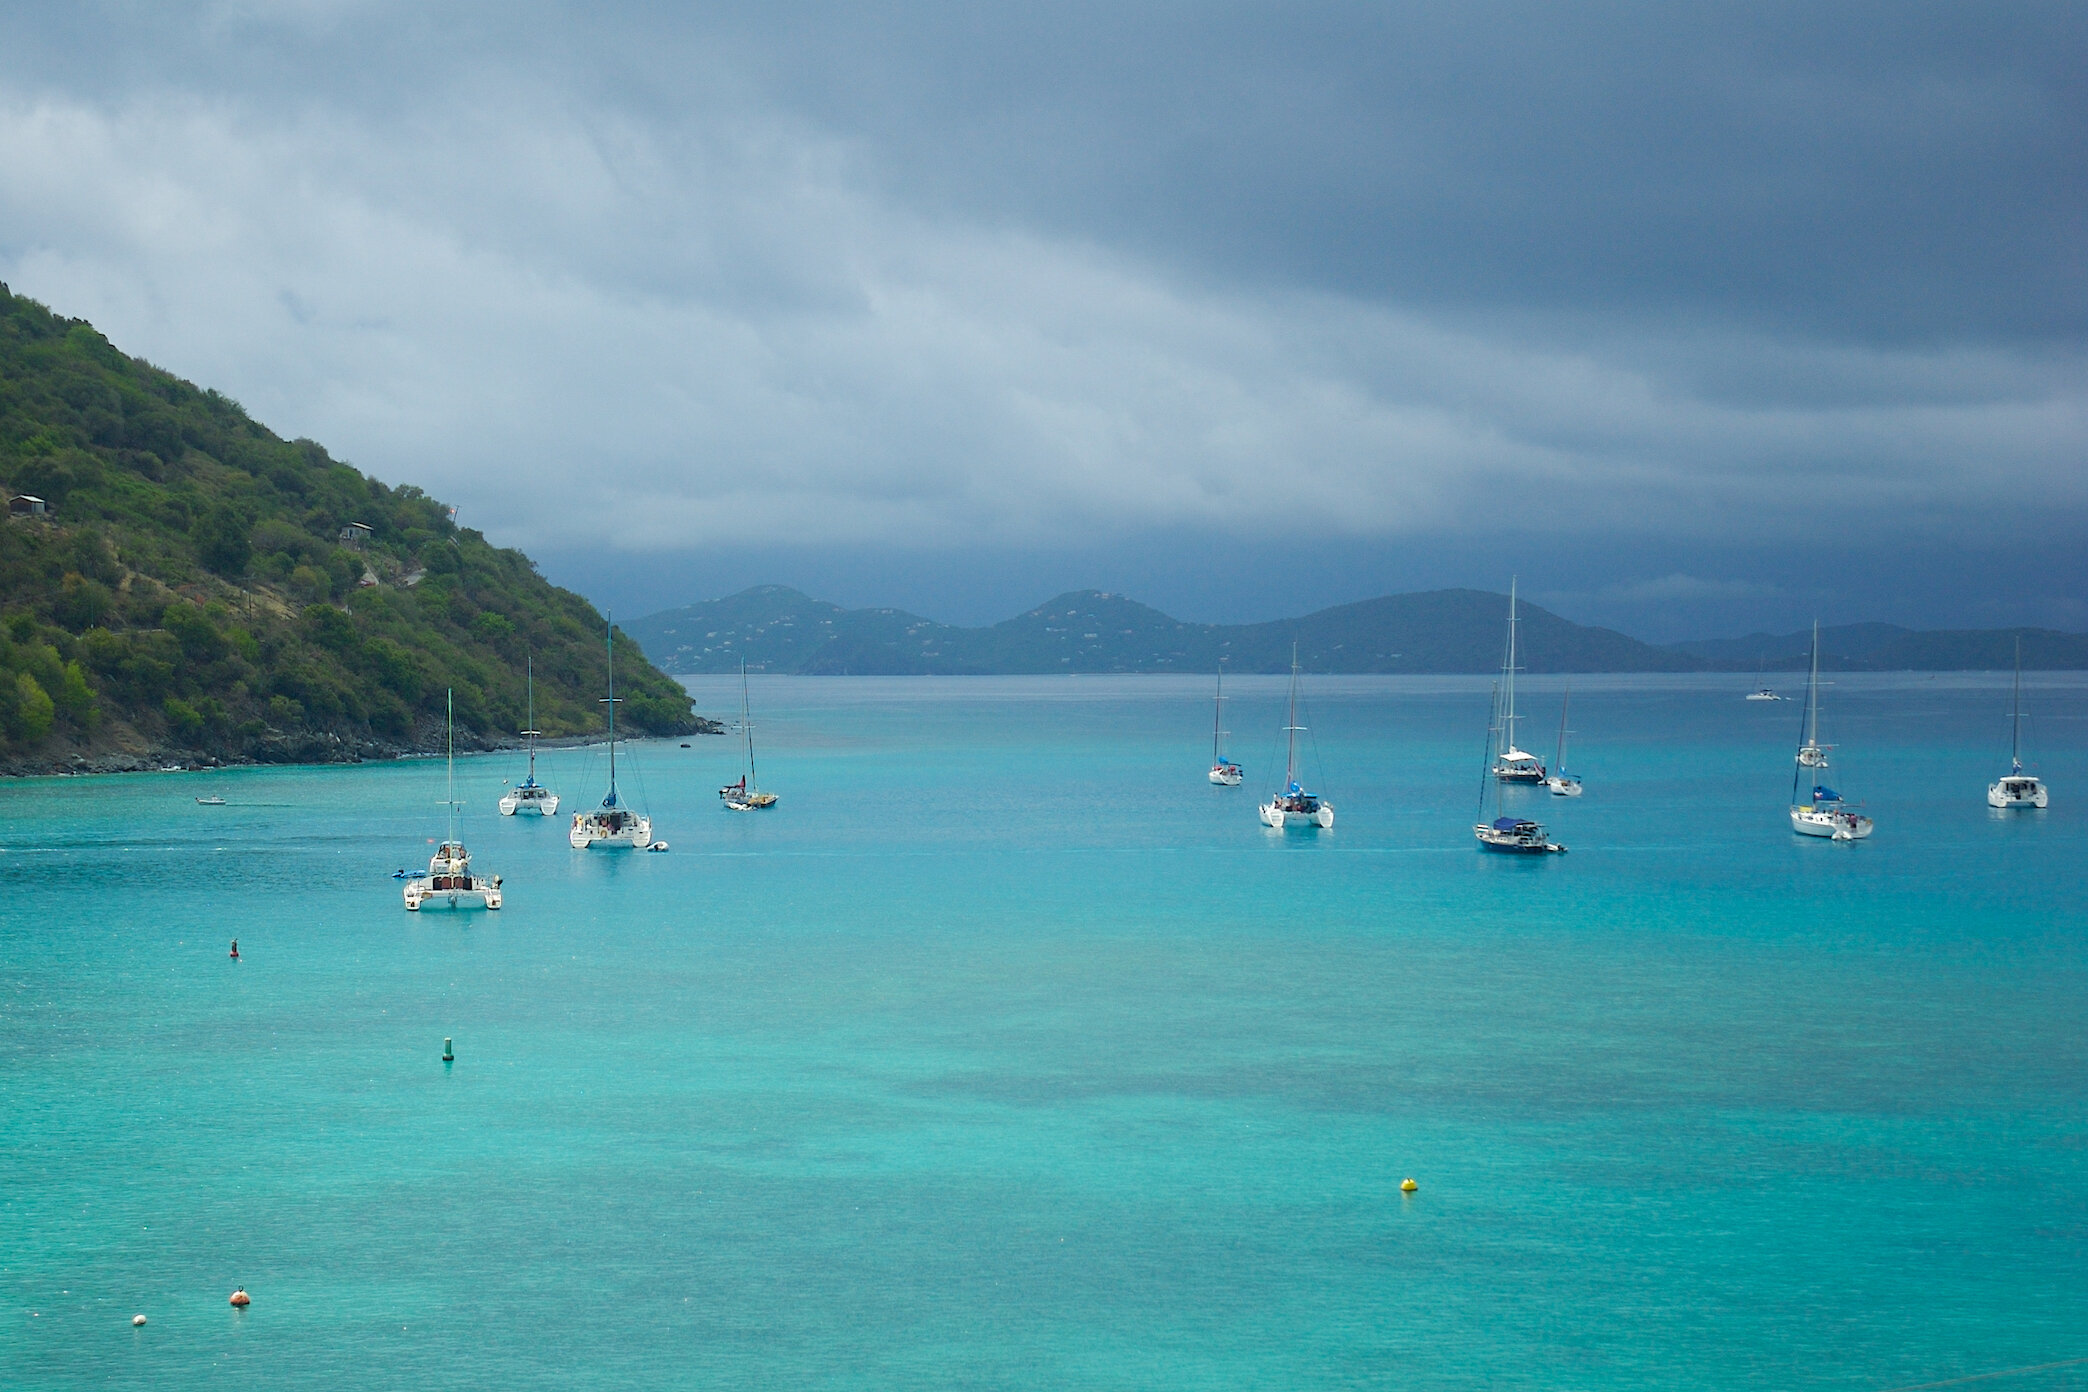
{"x":529,"y":680}
{"x":1812,"y":714}
{"x":747,"y":725}
{"x":610,"y":801}
{"x":1508,"y":679}
{"x":1291,"y":728}
{"x":1217,"y":715}
{"x":1486,"y":756}
{"x":450,"y":697}
{"x":2015,"y":724}
{"x":1559,"y":759}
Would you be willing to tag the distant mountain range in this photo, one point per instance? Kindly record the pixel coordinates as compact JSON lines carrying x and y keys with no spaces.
{"x":777,"y":629}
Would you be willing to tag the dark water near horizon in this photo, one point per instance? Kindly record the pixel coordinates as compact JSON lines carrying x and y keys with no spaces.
{"x":1007,"y":1052}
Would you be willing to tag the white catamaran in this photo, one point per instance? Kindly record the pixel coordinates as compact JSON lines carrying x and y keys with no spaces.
{"x":1562,"y":783}
{"x":746,"y":795}
{"x":530,"y":795}
{"x":1224,"y":772}
{"x":1510,"y":764}
{"x":1510,"y":835}
{"x":612,"y":824}
{"x":1295,"y":806}
{"x":1824,"y":813}
{"x":449,"y":881}
{"x":2018,"y":789}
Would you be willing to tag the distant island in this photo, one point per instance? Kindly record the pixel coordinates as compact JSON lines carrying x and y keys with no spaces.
{"x":179,"y":584}
{"x":777,"y":629}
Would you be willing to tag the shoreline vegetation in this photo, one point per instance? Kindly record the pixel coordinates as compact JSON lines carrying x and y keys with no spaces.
{"x":180,"y":585}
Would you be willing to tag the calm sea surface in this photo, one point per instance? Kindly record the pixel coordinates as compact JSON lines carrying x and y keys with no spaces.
{"x":1008,"y":1052}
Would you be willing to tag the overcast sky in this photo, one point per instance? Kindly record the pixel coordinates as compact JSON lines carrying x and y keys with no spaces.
{"x":1697,"y":317}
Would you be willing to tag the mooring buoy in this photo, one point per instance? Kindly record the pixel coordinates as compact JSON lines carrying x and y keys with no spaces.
{"x":449,"y":1055}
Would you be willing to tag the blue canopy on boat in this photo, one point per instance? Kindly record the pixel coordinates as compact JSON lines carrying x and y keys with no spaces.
{"x":1825,"y":794}
{"x":1294,"y":787}
{"x":1507,"y":823}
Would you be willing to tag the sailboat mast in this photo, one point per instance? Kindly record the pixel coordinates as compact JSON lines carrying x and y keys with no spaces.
{"x":1508,"y":678}
{"x":747,"y":725}
{"x":1559,"y":759}
{"x":1290,"y":728}
{"x":610,"y":641}
{"x":2015,"y":724}
{"x":1812,"y":692}
{"x":451,"y":700}
{"x":1217,"y":715}
{"x":529,"y":686}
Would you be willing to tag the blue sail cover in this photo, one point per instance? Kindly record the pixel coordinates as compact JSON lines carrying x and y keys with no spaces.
{"x":1294,"y":788}
{"x":1821,"y":794}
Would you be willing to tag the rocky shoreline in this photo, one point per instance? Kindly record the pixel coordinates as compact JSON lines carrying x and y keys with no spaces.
{"x":274,"y":749}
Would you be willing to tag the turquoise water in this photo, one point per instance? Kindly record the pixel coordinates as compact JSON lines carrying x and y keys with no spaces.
{"x":1007,"y":1052}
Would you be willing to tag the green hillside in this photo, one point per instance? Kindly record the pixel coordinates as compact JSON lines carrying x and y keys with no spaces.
{"x":190,"y":593}
{"x":780,"y":630}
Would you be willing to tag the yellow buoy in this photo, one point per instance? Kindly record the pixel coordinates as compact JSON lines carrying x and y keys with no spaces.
{"x":1407,"y":1186}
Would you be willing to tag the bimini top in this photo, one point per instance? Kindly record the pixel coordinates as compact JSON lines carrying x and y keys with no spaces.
{"x":1510,"y":823}
{"x":1823,"y":794}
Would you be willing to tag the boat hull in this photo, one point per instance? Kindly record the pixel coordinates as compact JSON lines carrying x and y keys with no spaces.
{"x":421,"y":896}
{"x":1516,"y":842}
{"x":1830,"y":825}
{"x":514,"y":802}
{"x":1226,"y":775}
{"x":1276,"y":818}
{"x":590,"y":831}
{"x":1563,"y":787}
{"x":2018,"y":793}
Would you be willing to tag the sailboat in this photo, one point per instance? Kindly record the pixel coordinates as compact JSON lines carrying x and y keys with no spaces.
{"x":1825,"y":813}
{"x":1511,"y":835}
{"x":1513,"y":765}
{"x":2018,"y":789}
{"x":1764,"y":692}
{"x":530,"y":795}
{"x":1224,"y":772}
{"x":449,"y":880}
{"x":1562,"y":783}
{"x":1295,"y":806}
{"x":612,"y":824}
{"x":746,"y":795}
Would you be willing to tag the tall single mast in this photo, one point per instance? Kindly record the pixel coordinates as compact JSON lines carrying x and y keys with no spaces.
{"x":1217,"y":716}
{"x":529,"y":680}
{"x":1812,"y":694}
{"x":2015,"y":724}
{"x":1559,"y":759}
{"x":610,"y":801}
{"x":1291,"y":727}
{"x":451,"y":801}
{"x":1508,"y":679}
{"x":747,"y":725}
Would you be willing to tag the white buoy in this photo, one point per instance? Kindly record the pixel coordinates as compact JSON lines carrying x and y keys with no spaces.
{"x":137,"y":1320}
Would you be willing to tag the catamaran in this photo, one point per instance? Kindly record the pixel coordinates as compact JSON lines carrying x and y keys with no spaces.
{"x":1224,"y":771}
{"x":612,"y":824}
{"x":2018,"y":789}
{"x":1510,"y":764}
{"x":1825,"y":813}
{"x":1512,"y":835}
{"x":1562,"y":783}
{"x":1295,"y":806}
{"x":449,"y":881}
{"x":530,"y":795}
{"x":746,"y":795}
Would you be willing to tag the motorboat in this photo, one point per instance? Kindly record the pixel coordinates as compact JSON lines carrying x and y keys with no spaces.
{"x":530,"y":795}
{"x":1224,"y":772}
{"x":1296,"y":806}
{"x":1765,"y":694}
{"x":1825,"y":813}
{"x":212,"y":801}
{"x":2017,"y":789}
{"x":1511,"y":764}
{"x":449,"y":881}
{"x":746,"y":795}
{"x":612,"y":824}
{"x":1516,"y":836}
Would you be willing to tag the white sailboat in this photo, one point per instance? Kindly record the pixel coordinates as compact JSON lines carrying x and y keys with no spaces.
{"x":1507,"y":834}
{"x":1224,"y":772}
{"x":530,"y":795}
{"x":1511,"y":764}
{"x":746,"y":795}
{"x":612,"y":824}
{"x":1295,"y":806}
{"x":1825,"y":813}
{"x":1562,"y":783}
{"x":2018,"y":789}
{"x":449,"y":881}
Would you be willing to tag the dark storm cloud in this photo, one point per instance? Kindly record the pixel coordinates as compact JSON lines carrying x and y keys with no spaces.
{"x":1648,"y":282}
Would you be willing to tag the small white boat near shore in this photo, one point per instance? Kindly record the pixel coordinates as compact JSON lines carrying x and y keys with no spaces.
{"x":1296,"y":807}
{"x":612,"y":824}
{"x":2017,"y":790}
{"x":449,"y":882}
{"x":1825,"y":814}
{"x":530,"y":795}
